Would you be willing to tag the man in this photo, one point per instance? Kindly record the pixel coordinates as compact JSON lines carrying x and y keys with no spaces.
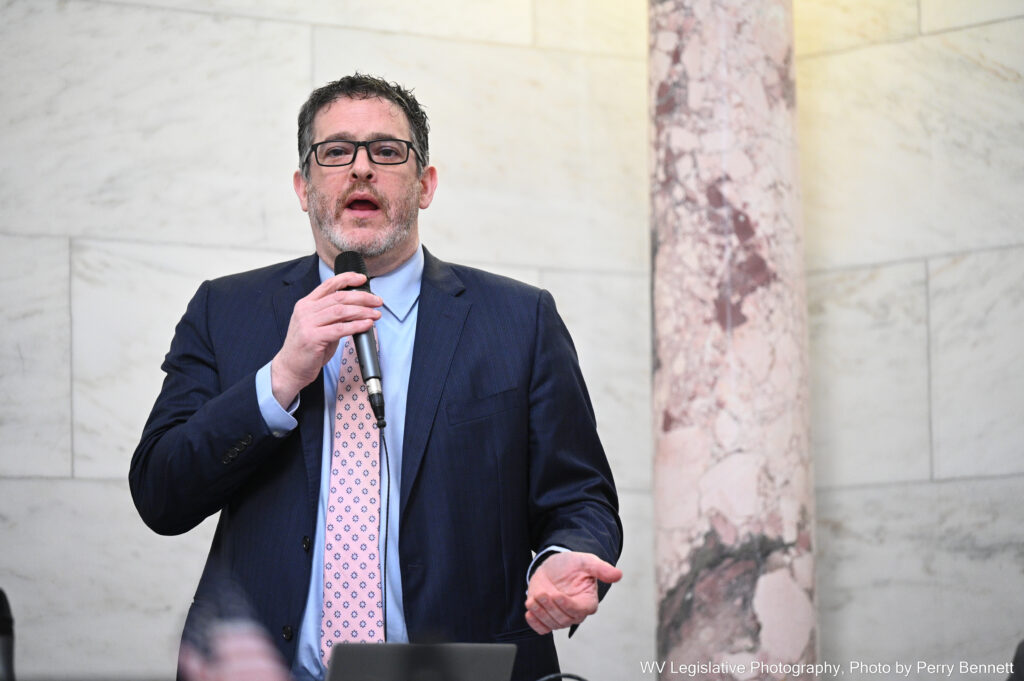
{"x":490,"y":451}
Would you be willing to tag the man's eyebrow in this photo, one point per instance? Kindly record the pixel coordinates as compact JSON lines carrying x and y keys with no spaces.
{"x":347,"y":136}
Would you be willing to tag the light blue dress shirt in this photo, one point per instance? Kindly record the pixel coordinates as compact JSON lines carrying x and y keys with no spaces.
{"x":396,"y":333}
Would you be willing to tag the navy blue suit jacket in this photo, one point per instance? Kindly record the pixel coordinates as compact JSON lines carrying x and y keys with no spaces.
{"x":501,"y":454}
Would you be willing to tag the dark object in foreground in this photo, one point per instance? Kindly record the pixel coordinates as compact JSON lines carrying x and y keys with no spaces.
{"x":6,"y":639}
{"x":1017,"y":673}
{"x":422,"y":662}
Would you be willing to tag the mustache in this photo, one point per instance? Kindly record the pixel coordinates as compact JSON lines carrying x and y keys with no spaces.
{"x":365,"y":188}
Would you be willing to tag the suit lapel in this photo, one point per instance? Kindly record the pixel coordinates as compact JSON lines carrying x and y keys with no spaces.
{"x":298,"y":282}
{"x":441,"y":316}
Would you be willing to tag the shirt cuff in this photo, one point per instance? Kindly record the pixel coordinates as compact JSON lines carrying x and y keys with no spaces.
{"x":280,"y":421}
{"x":540,"y":558}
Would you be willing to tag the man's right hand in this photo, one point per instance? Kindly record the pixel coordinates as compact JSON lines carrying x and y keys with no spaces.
{"x":319,"y":322}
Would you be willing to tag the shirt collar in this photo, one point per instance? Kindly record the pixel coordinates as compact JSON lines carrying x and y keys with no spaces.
{"x":399,"y":288}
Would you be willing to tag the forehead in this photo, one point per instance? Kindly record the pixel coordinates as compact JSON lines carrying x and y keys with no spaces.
{"x":359,"y":118}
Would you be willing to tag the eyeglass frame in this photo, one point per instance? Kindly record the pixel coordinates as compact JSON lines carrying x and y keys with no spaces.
{"x":409,"y":147}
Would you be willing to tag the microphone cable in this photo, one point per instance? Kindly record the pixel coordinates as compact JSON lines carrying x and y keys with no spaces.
{"x":385,"y":519}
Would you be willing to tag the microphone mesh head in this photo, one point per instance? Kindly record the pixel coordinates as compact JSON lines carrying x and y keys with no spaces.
{"x":349,"y":261}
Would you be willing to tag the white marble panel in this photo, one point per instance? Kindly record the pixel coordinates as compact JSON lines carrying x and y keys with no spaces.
{"x":608,"y":315}
{"x":869,"y":374}
{"x":126,"y":300}
{"x":598,"y":27}
{"x":150,"y":124}
{"x":501,"y":21}
{"x":95,"y":593}
{"x":928,"y":571}
{"x":35,"y":370}
{"x":828,"y":25}
{"x":612,"y":643}
{"x":938,"y":15}
{"x":977,"y":327}
{"x":914,"y":148}
{"x":541,"y":154}
{"x":528,"y":275}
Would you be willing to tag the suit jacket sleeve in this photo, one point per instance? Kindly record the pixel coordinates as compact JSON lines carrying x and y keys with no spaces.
{"x":573,"y":502}
{"x":205,"y":435}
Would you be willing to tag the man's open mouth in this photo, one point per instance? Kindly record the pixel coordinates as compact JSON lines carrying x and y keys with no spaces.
{"x":362,"y":202}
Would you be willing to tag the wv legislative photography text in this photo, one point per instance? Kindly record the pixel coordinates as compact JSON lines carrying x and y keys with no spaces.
{"x":854,"y":669}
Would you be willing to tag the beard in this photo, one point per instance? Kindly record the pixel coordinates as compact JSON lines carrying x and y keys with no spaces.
{"x":399,"y":218}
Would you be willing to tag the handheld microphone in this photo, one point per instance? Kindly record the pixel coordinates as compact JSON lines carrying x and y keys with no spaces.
{"x":366,"y":344}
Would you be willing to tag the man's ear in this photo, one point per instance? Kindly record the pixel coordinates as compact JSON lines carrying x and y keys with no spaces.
{"x":300,"y":184}
{"x":428,"y":183}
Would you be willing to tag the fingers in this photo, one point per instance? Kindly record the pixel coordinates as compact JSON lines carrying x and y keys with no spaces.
{"x":318,"y":322}
{"x":551,"y":609}
{"x":325,"y":316}
{"x":338,"y":282}
{"x":327,"y":306}
{"x":560,"y":611}
{"x":536,"y":624}
{"x":547,"y":615}
{"x":343,"y":306}
{"x":327,"y":297}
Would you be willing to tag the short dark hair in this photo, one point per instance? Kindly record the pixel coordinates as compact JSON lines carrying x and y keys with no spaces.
{"x":362,"y":86}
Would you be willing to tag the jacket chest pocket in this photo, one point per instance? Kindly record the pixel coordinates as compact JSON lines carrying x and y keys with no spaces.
{"x":464,"y":410}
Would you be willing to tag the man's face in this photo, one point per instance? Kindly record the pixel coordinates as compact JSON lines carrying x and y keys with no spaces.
{"x":364,"y":207}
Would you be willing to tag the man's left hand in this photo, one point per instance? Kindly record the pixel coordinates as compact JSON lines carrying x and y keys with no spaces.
{"x":563,"y":590}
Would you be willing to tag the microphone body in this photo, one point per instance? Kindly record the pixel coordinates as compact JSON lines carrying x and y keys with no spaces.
{"x":365,"y":342}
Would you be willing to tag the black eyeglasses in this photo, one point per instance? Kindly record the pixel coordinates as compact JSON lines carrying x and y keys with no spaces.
{"x":333,"y":153}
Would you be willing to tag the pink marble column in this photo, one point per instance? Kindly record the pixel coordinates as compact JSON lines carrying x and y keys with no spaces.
{"x":733,"y":485}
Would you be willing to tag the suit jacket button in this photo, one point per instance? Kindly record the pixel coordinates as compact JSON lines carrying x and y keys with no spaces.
{"x":306,"y":544}
{"x":287,"y":633}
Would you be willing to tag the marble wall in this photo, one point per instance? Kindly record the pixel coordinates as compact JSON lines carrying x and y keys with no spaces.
{"x":912,"y":154}
{"x":165,"y":130}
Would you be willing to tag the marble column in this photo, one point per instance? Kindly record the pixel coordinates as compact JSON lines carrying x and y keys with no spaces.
{"x":733,"y":485}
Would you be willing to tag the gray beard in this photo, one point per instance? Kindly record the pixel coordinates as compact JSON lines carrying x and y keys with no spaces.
{"x":397,"y":226}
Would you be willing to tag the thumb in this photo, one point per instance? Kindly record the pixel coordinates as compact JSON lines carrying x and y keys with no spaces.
{"x":599,"y":569}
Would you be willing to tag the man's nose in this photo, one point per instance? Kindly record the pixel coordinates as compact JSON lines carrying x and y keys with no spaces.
{"x":362,"y":167}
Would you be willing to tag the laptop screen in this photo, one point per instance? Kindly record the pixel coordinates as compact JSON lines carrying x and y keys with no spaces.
{"x":422,"y":662}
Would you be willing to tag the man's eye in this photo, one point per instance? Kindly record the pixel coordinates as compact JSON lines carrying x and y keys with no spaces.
{"x":335,"y":152}
{"x":387,"y":150}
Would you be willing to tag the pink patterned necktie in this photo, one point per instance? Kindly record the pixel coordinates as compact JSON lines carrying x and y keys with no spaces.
{"x":353,"y":607}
